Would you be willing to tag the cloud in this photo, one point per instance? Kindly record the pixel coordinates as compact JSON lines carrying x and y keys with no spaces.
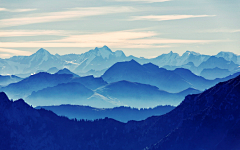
{"x":64,"y":15}
{"x":4,"y":53}
{"x":117,"y":39}
{"x":15,"y":33}
{"x":146,"y":1}
{"x":17,"y":10}
{"x":113,"y":37}
{"x":168,"y":17}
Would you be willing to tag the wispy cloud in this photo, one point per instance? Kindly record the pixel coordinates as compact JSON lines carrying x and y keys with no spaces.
{"x":118,"y":39}
{"x":15,"y":33}
{"x":4,"y":53}
{"x":145,"y":1}
{"x":17,"y":10}
{"x":167,"y":17}
{"x":63,"y":15}
{"x":117,"y":36}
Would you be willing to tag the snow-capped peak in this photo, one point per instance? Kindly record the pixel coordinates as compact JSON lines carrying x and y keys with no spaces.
{"x":225,"y":54}
{"x":104,"y":51}
{"x":191,"y":52}
{"x":42,"y":52}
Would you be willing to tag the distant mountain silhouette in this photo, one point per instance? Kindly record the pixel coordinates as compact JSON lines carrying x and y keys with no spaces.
{"x":146,"y":74}
{"x":90,"y":82}
{"x":140,"y":95}
{"x":34,"y":83}
{"x":229,"y":56}
{"x":214,"y":73}
{"x":8,"y":79}
{"x":95,"y":73}
{"x":66,"y":71}
{"x":43,"y":80}
{"x":98,"y":59}
{"x":220,"y":62}
{"x":52,"y":70}
{"x":198,"y":82}
{"x":169,"y":80}
{"x":173,"y":59}
{"x":211,"y":63}
{"x":123,"y":114}
{"x":65,"y":93}
{"x":41,"y":60}
{"x":122,"y":93}
{"x":209,"y":120}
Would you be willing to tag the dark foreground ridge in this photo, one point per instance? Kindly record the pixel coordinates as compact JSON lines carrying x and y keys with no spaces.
{"x":208,"y":121}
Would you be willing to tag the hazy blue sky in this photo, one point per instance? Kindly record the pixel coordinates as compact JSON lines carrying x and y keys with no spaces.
{"x":144,"y":28}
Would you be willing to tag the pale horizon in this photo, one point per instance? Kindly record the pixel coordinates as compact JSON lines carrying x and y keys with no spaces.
{"x":25,"y":53}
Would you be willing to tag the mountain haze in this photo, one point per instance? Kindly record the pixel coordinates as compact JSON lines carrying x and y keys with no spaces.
{"x":208,"y":120}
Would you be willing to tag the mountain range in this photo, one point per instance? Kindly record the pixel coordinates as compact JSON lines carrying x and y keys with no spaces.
{"x":168,"y":80}
{"x":209,"y":121}
{"x":97,"y":61}
{"x":125,"y":93}
{"x":124,"y":84}
{"x":123,"y":114}
{"x":211,"y":63}
{"x":214,"y":73}
{"x":121,"y":93}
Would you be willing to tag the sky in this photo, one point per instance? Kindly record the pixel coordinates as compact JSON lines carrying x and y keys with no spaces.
{"x":143,"y":28}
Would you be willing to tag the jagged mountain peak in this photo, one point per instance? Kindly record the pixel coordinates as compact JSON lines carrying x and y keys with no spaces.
{"x":172,"y":53}
{"x":104,"y":51}
{"x":42,"y":51}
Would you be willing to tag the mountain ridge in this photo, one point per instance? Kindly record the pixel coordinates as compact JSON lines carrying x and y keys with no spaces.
{"x":98,"y":59}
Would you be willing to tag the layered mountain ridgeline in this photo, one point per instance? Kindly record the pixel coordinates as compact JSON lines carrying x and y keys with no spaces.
{"x":141,"y":95}
{"x":8,"y":79}
{"x":214,"y":73}
{"x":97,"y":61}
{"x":122,"y":93}
{"x":171,"y":81}
{"x":146,"y":74}
{"x":123,"y":114}
{"x":43,"y":80}
{"x":65,"y":87}
{"x":209,"y":121}
{"x":211,"y":63}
